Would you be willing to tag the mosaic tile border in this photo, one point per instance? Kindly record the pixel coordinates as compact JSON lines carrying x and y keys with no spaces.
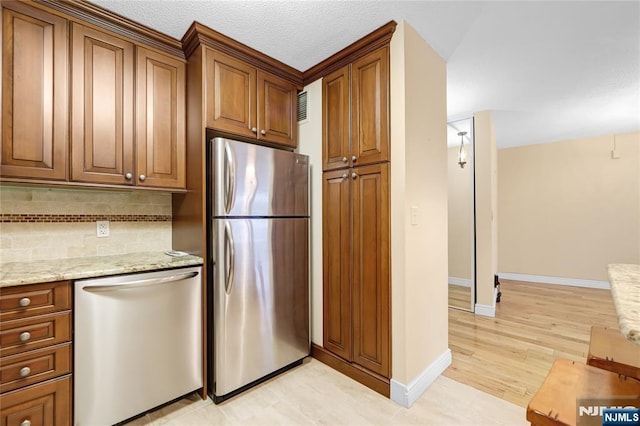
{"x":79,"y":218}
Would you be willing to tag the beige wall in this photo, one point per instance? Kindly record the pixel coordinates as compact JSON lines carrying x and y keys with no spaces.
{"x":310,"y":143}
{"x":135,"y":225}
{"x":460,"y":206}
{"x":418,"y":179}
{"x":486,"y":210}
{"x":567,"y":209}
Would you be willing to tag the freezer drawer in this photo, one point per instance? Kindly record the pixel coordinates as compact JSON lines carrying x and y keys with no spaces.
{"x":260,"y":299}
{"x":137,"y":343}
{"x":253,"y":180}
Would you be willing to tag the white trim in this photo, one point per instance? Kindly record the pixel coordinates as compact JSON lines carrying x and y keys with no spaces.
{"x":462,"y":282}
{"x":406,"y":395}
{"x":487,"y":310}
{"x":574,"y":282}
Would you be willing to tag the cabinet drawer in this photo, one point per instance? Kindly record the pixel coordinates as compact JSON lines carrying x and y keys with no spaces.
{"x":34,"y":299}
{"x":35,"y":366}
{"x":47,"y":404}
{"x":31,"y":333}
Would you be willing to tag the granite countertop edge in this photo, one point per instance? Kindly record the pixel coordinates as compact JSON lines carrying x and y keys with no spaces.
{"x":625,"y":292}
{"x":41,"y":271}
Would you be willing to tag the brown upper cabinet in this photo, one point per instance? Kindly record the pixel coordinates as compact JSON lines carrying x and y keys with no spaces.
{"x":35,"y":103}
{"x":105,"y":146}
{"x":125,"y":121}
{"x":247,"y":101}
{"x":160,"y":132}
{"x":102,"y":98}
{"x":356,"y":112}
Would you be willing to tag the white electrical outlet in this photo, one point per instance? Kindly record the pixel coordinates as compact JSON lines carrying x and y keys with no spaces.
{"x":102,"y":228}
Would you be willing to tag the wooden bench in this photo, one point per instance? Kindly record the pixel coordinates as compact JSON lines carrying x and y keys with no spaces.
{"x":609,"y":350}
{"x":555,"y":403}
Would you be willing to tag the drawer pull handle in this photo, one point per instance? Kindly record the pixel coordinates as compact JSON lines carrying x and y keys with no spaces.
{"x":24,"y":302}
{"x":26,"y":423}
{"x":24,"y":336}
{"x":25,"y":371}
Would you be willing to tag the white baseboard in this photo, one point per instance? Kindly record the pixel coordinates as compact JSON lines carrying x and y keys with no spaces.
{"x":463,"y":282}
{"x":406,"y":395}
{"x":543,"y":279}
{"x":487,"y":310}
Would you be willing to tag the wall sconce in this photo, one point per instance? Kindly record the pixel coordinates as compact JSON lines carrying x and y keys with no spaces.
{"x":462,"y":154}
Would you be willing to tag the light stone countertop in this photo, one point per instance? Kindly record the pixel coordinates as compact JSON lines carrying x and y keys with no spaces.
{"x":625,"y":290}
{"x":18,"y":273}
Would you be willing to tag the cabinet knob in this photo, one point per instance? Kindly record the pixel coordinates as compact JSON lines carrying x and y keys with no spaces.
{"x":25,"y":423}
{"x":24,"y":302}
{"x":142,"y":178}
{"x":128,"y":176}
{"x":25,"y":371}
{"x":344,"y":176}
{"x":344,"y":159}
{"x":24,"y":336}
{"x":354,"y":175}
{"x":353,"y":158}
{"x":263,"y":132}
{"x":254,"y":130}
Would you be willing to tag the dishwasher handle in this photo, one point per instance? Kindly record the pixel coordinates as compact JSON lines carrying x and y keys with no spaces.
{"x":139,"y":283}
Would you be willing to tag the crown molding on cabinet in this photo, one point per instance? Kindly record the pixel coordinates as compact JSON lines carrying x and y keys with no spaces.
{"x":354,"y":51}
{"x":105,"y":19}
{"x":199,"y":34}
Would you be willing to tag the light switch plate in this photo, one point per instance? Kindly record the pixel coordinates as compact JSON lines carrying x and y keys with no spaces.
{"x":414,"y":215}
{"x":102,"y":228}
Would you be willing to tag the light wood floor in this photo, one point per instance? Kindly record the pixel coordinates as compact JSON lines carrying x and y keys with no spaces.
{"x":459,"y":296}
{"x":498,"y":365}
{"x":509,"y":356}
{"x":315,"y":394}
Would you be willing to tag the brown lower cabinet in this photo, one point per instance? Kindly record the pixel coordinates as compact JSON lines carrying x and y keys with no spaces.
{"x":47,"y":404}
{"x":35,"y":354}
{"x":356,"y":285}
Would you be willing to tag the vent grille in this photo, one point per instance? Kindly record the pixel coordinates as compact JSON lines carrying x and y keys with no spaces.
{"x":302,"y":106}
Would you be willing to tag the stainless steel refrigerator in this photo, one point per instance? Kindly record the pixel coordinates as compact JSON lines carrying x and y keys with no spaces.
{"x":259,"y":289}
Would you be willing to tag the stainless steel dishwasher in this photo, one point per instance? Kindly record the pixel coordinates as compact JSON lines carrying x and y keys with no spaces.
{"x":137,"y":343}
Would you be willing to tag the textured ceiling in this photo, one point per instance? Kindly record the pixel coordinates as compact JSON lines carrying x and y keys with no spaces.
{"x":548,"y":70}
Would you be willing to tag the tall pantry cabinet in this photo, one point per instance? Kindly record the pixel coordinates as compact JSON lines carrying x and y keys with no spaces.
{"x":356,"y":228}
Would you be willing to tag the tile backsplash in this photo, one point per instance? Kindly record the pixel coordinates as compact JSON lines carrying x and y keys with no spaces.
{"x":54,"y":223}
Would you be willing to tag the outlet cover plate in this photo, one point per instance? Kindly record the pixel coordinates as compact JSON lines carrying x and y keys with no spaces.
{"x":102,"y":228}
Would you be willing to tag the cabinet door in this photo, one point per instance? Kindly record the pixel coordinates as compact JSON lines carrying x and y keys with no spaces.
{"x":34,"y":93}
{"x":102,"y":107}
{"x":230,"y":95}
{"x":160,"y":118}
{"x":371,"y":286}
{"x":335,"y":120}
{"x":46,"y":404}
{"x":370,"y":108}
{"x":277,"y":99}
{"x":336,"y":249}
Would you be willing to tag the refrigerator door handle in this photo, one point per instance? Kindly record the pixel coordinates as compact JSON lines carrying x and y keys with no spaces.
{"x":230,"y":178}
{"x":230,"y":258}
